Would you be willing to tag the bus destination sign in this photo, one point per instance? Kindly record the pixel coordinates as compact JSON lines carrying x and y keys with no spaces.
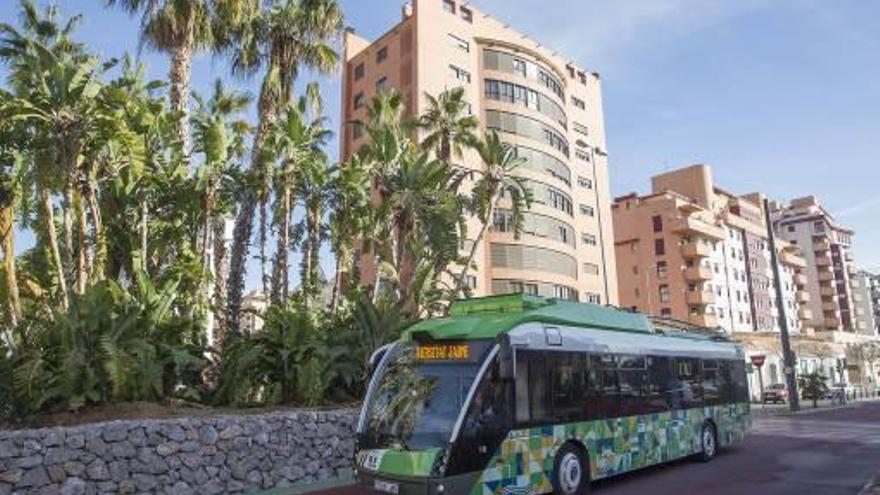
{"x":443,"y":352}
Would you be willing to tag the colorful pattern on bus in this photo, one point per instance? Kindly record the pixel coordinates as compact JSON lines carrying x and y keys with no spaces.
{"x":524,"y":462}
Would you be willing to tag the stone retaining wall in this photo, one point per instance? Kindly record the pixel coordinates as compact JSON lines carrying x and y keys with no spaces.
{"x":207,"y":455}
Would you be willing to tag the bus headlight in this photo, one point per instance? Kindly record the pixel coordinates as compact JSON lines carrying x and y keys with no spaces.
{"x":441,"y":488}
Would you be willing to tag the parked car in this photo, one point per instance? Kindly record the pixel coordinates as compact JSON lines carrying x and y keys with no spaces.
{"x":827,"y":394}
{"x":775,"y":393}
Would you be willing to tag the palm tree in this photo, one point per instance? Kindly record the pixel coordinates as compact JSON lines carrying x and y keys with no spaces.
{"x":298,"y":140}
{"x":180,"y":28}
{"x":285,"y":37}
{"x":448,"y":123}
{"x":349,"y":199}
{"x":497,"y":181}
{"x":218,"y":136}
{"x":312,"y":183}
{"x":11,"y":138}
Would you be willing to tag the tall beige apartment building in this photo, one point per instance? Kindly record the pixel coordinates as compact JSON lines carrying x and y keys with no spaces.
{"x":833,"y":282}
{"x":538,"y":101}
{"x":695,"y":252}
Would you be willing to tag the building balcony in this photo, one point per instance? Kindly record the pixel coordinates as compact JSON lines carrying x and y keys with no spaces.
{"x":700,"y":298}
{"x":805,"y":314}
{"x":696,"y":250}
{"x":827,"y":291}
{"x":847,"y":256}
{"x":802,"y":296}
{"x":857,"y":298}
{"x":703,"y":320}
{"x":698,"y":274}
{"x":821,"y":246}
{"x":829,"y":307}
{"x":826,"y":276}
{"x":799,"y":279}
{"x":832,"y":322}
{"x":823,"y":260}
{"x":694,"y":226}
{"x":852,"y":269}
{"x":792,"y":258}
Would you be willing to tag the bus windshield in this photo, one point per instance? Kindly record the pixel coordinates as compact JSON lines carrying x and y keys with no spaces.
{"x":416,"y":402}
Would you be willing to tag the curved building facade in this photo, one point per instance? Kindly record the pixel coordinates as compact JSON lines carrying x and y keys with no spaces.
{"x":539,"y":102}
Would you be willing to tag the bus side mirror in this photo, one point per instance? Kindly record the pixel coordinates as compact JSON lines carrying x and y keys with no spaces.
{"x":376,"y":358}
{"x":505,"y":362}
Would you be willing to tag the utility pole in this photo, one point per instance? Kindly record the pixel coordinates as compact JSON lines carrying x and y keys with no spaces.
{"x":788,"y":357}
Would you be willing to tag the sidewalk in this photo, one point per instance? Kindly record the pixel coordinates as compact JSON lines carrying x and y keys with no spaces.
{"x":765,"y":410}
{"x":300,"y":489}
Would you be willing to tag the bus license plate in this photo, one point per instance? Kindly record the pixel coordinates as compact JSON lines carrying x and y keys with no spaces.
{"x":386,"y":487}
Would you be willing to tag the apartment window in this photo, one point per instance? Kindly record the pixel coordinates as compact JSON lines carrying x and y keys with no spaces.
{"x":587,"y":210}
{"x":593,"y":298}
{"x":466,"y":14}
{"x":459,"y":43}
{"x":667,"y":312}
{"x":460,"y":74}
{"x":519,"y":67}
{"x":581,"y":155}
{"x":659,"y":247}
{"x":531,"y":289}
{"x":471,"y":282}
{"x":657,"y":222}
{"x":662,"y":270}
{"x":357,"y":130}
{"x":580,"y":128}
{"x":591,"y":268}
{"x":578,"y":103}
{"x":382,"y":54}
{"x":588,"y":239}
{"x":359,"y":72}
{"x":382,"y":85}
{"x":791,"y":228}
{"x":359,"y":100}
{"x":585,"y":182}
{"x":449,"y":6}
{"x":664,"y":293}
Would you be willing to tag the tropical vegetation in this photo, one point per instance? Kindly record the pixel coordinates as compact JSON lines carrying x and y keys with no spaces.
{"x":120,"y":280}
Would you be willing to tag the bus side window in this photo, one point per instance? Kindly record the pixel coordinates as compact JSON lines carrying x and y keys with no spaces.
{"x":660,"y":382}
{"x":569,"y":385}
{"x":612,"y":405}
{"x":712,"y":383}
{"x":686,"y":391}
{"x":739,"y":386}
{"x":522,"y":388}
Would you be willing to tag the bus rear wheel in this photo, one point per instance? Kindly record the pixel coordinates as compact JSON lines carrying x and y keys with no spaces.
{"x":708,"y":442}
{"x":570,"y":473}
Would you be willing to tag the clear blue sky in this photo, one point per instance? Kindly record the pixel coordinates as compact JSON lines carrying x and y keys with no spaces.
{"x":780,"y":96}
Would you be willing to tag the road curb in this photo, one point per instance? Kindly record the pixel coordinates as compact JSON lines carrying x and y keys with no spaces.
{"x":808,"y":409}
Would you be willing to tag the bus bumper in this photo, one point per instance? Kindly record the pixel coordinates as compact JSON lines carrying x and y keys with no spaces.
{"x":379,"y":483}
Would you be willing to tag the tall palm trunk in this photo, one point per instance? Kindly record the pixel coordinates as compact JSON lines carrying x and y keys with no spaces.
{"x":67,"y":222}
{"x":144,"y":231}
{"x":280,"y":281}
{"x":49,"y":219}
{"x":100,"y":241}
{"x":244,"y":222}
{"x":82,"y":237}
{"x":309,"y":263}
{"x":7,"y":244}
{"x":221,"y":272}
{"x":180,"y":74}
{"x":264,"y":264}
{"x":459,"y":283}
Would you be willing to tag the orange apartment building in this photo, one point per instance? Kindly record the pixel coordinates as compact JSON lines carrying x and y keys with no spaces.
{"x":694,"y":252}
{"x":538,"y":101}
{"x":833,"y":278}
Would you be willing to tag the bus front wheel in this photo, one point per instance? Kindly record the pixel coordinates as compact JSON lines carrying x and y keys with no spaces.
{"x":570,"y":473}
{"x":708,"y":442}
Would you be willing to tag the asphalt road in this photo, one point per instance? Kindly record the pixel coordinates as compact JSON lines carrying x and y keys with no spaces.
{"x":818,"y":453}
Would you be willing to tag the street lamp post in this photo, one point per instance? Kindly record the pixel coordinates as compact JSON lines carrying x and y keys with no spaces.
{"x":788,"y":356}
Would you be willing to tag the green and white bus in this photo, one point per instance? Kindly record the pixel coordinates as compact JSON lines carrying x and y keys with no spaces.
{"x":523,"y":395}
